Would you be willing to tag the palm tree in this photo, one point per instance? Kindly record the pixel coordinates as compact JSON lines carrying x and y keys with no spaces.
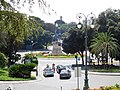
{"x":106,"y":44}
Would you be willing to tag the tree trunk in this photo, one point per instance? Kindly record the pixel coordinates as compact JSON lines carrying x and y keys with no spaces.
{"x":10,"y":49}
{"x":46,"y":46}
{"x":9,"y":59}
{"x":98,"y":60}
{"x":82,"y":58}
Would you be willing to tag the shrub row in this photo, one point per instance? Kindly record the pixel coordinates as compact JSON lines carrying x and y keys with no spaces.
{"x":21,"y":70}
{"x":114,"y":87}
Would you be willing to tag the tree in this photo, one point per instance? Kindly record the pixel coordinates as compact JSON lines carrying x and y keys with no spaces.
{"x":37,"y":33}
{"x":47,"y":38}
{"x":106,"y":44}
{"x":15,"y":28}
{"x":74,"y":43}
{"x":109,"y":21}
{"x":5,"y":6}
{"x":49,"y":27}
{"x":20,"y":4}
{"x":64,"y":28}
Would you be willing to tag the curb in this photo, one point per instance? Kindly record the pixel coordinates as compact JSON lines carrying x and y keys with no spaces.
{"x":99,"y":73}
{"x":20,"y":82}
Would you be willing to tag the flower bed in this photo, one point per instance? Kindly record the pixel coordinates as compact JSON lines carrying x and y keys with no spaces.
{"x":114,"y":87}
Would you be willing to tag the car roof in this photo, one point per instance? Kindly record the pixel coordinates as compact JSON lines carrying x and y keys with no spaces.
{"x":61,"y":66}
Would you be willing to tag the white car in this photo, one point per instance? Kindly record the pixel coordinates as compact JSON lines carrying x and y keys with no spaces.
{"x":65,"y":74}
{"x":48,"y":72}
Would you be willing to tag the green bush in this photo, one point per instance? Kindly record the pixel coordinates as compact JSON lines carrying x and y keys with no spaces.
{"x":3,"y":60}
{"x":28,"y":56}
{"x":34,"y":60}
{"x":115,"y":87}
{"x":21,"y":70}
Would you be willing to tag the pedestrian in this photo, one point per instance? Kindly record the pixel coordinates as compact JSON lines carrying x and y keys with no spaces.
{"x":53,"y":67}
{"x":47,"y":66}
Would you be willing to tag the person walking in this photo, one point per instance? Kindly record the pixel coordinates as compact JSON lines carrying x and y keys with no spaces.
{"x":53,"y":67}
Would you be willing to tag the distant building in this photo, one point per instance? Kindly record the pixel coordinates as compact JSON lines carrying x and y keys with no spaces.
{"x":59,"y":22}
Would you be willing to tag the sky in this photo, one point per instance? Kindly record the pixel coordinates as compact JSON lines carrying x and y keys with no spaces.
{"x":68,"y":9}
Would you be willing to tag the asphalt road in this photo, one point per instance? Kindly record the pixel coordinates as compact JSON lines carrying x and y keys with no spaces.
{"x":54,"y":83}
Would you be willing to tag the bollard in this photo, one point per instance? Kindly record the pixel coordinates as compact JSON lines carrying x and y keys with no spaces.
{"x":61,"y":87}
{"x":8,"y":88}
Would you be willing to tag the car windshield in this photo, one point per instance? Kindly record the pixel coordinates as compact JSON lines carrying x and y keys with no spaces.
{"x":61,"y":66}
{"x":64,"y":71}
{"x":47,"y":69}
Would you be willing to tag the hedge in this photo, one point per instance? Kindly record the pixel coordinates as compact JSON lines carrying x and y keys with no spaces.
{"x":21,"y":70}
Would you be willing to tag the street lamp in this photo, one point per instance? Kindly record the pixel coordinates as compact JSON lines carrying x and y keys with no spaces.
{"x":33,"y":43}
{"x":88,"y":20}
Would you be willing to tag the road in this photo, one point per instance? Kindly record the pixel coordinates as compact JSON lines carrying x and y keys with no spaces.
{"x":54,"y":83}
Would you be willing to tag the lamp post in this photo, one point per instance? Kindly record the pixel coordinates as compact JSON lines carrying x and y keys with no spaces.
{"x":33,"y":43}
{"x":91,"y":19}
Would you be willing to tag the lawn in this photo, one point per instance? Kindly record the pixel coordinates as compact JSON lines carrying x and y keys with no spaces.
{"x":5,"y":77}
{"x":108,"y":70}
{"x":55,"y":56}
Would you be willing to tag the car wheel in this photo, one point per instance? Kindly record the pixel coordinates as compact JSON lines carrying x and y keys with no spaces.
{"x":45,"y":75}
{"x":60,"y":77}
{"x":69,"y":77}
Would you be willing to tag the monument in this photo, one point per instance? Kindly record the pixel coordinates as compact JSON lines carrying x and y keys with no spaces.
{"x":56,"y":48}
{"x":57,"y":38}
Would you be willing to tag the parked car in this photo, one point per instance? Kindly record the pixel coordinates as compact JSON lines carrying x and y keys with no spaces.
{"x":48,"y":72}
{"x":59,"y":68}
{"x":65,"y":74}
{"x":69,"y":67}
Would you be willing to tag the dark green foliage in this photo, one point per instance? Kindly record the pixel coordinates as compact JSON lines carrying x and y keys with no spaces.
{"x":74,"y":42}
{"x":15,"y":58}
{"x":15,"y":27}
{"x":3,"y":60}
{"x":115,"y":87}
{"x":46,"y":38}
{"x":104,"y":43}
{"x":28,"y":56}
{"x":21,"y":70}
{"x":31,"y":58}
{"x":34,"y":60}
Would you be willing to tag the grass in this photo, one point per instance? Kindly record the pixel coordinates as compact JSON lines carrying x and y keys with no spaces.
{"x":5,"y":77}
{"x":55,"y":56}
{"x":108,"y":70}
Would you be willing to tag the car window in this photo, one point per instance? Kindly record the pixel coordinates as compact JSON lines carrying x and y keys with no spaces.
{"x":47,"y":69}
